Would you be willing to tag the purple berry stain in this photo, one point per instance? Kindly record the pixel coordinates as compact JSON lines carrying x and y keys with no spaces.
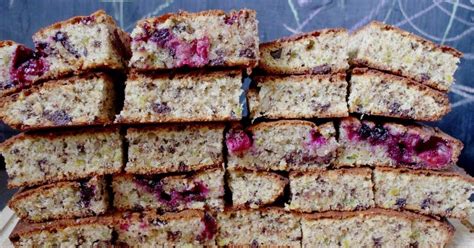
{"x":238,"y":141}
{"x":174,"y":198}
{"x":87,"y":193}
{"x":210,"y":228}
{"x":405,"y":148}
{"x":316,"y":139}
{"x":193,"y":53}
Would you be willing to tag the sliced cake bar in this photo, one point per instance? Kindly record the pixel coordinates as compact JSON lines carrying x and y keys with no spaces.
{"x":319,"y":52}
{"x":388,"y":48}
{"x":374,"y":228}
{"x":63,"y":200}
{"x":79,"y":44}
{"x":12,"y":55}
{"x":187,"y":97}
{"x":203,"y":190}
{"x":326,"y":190}
{"x":87,"y":232}
{"x":443,"y":193}
{"x":41,"y":158}
{"x":173,"y":148}
{"x":208,"y":38}
{"x":299,"y":96}
{"x":364,"y":142}
{"x":75,"y":101}
{"x":376,"y":93}
{"x":189,"y":228}
{"x":268,"y":227}
{"x":254,"y":189}
{"x":282,"y":145}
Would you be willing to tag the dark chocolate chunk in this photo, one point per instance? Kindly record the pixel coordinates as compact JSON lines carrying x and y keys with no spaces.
{"x":276,"y":54}
{"x":322,"y":69}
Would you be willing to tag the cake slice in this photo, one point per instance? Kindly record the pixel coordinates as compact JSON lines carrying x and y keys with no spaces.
{"x":203,"y":190}
{"x":74,"y":101}
{"x":12,"y":55}
{"x":173,"y":148}
{"x":327,"y":190}
{"x":443,"y":193}
{"x":63,"y":200}
{"x":79,"y":44}
{"x":189,"y":228}
{"x":388,"y":48}
{"x":268,"y":227}
{"x":374,"y":228}
{"x":41,"y":158}
{"x":254,"y":189}
{"x":376,"y":93}
{"x":299,"y":96}
{"x":87,"y":232}
{"x":319,"y":52}
{"x":364,"y":142}
{"x":186,"y":97}
{"x":282,"y":145}
{"x":208,"y":38}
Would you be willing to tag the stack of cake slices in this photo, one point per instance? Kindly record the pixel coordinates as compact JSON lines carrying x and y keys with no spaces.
{"x":175,"y":159}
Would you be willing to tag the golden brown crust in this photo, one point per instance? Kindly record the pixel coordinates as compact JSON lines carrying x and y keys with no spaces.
{"x":69,"y":177}
{"x":440,"y":97}
{"x":195,"y":173}
{"x":134,"y":217}
{"x":273,"y":124}
{"x":24,"y":227}
{"x":185,"y":14}
{"x":296,"y":37}
{"x":341,"y":171}
{"x":100,"y":16}
{"x":4,"y":43}
{"x":404,"y":33}
{"x":198,"y":74}
{"x":235,"y":209}
{"x":336,"y":77}
{"x":153,"y":171}
{"x":166,"y":127}
{"x":454,"y":172}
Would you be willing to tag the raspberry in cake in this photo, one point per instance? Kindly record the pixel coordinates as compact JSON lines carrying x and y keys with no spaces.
{"x":41,"y":158}
{"x":202,"y":190}
{"x":374,"y":228}
{"x":184,"y":97}
{"x":442,"y":193}
{"x":377,"y":93}
{"x":175,"y":148}
{"x":87,"y":232}
{"x":189,"y":228}
{"x":12,"y":56}
{"x":282,"y":145}
{"x":388,"y":48}
{"x":268,"y":227}
{"x":204,"y":39}
{"x":331,"y":190}
{"x":364,"y":142}
{"x":79,"y":44}
{"x":319,"y":52}
{"x":76,"y":101}
{"x":63,"y":200}
{"x":254,"y":189}
{"x":299,"y":96}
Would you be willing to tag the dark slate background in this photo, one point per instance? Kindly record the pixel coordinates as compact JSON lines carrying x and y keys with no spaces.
{"x":447,"y":22}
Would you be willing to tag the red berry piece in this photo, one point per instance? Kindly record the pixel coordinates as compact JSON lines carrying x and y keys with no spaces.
{"x":238,"y":141}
